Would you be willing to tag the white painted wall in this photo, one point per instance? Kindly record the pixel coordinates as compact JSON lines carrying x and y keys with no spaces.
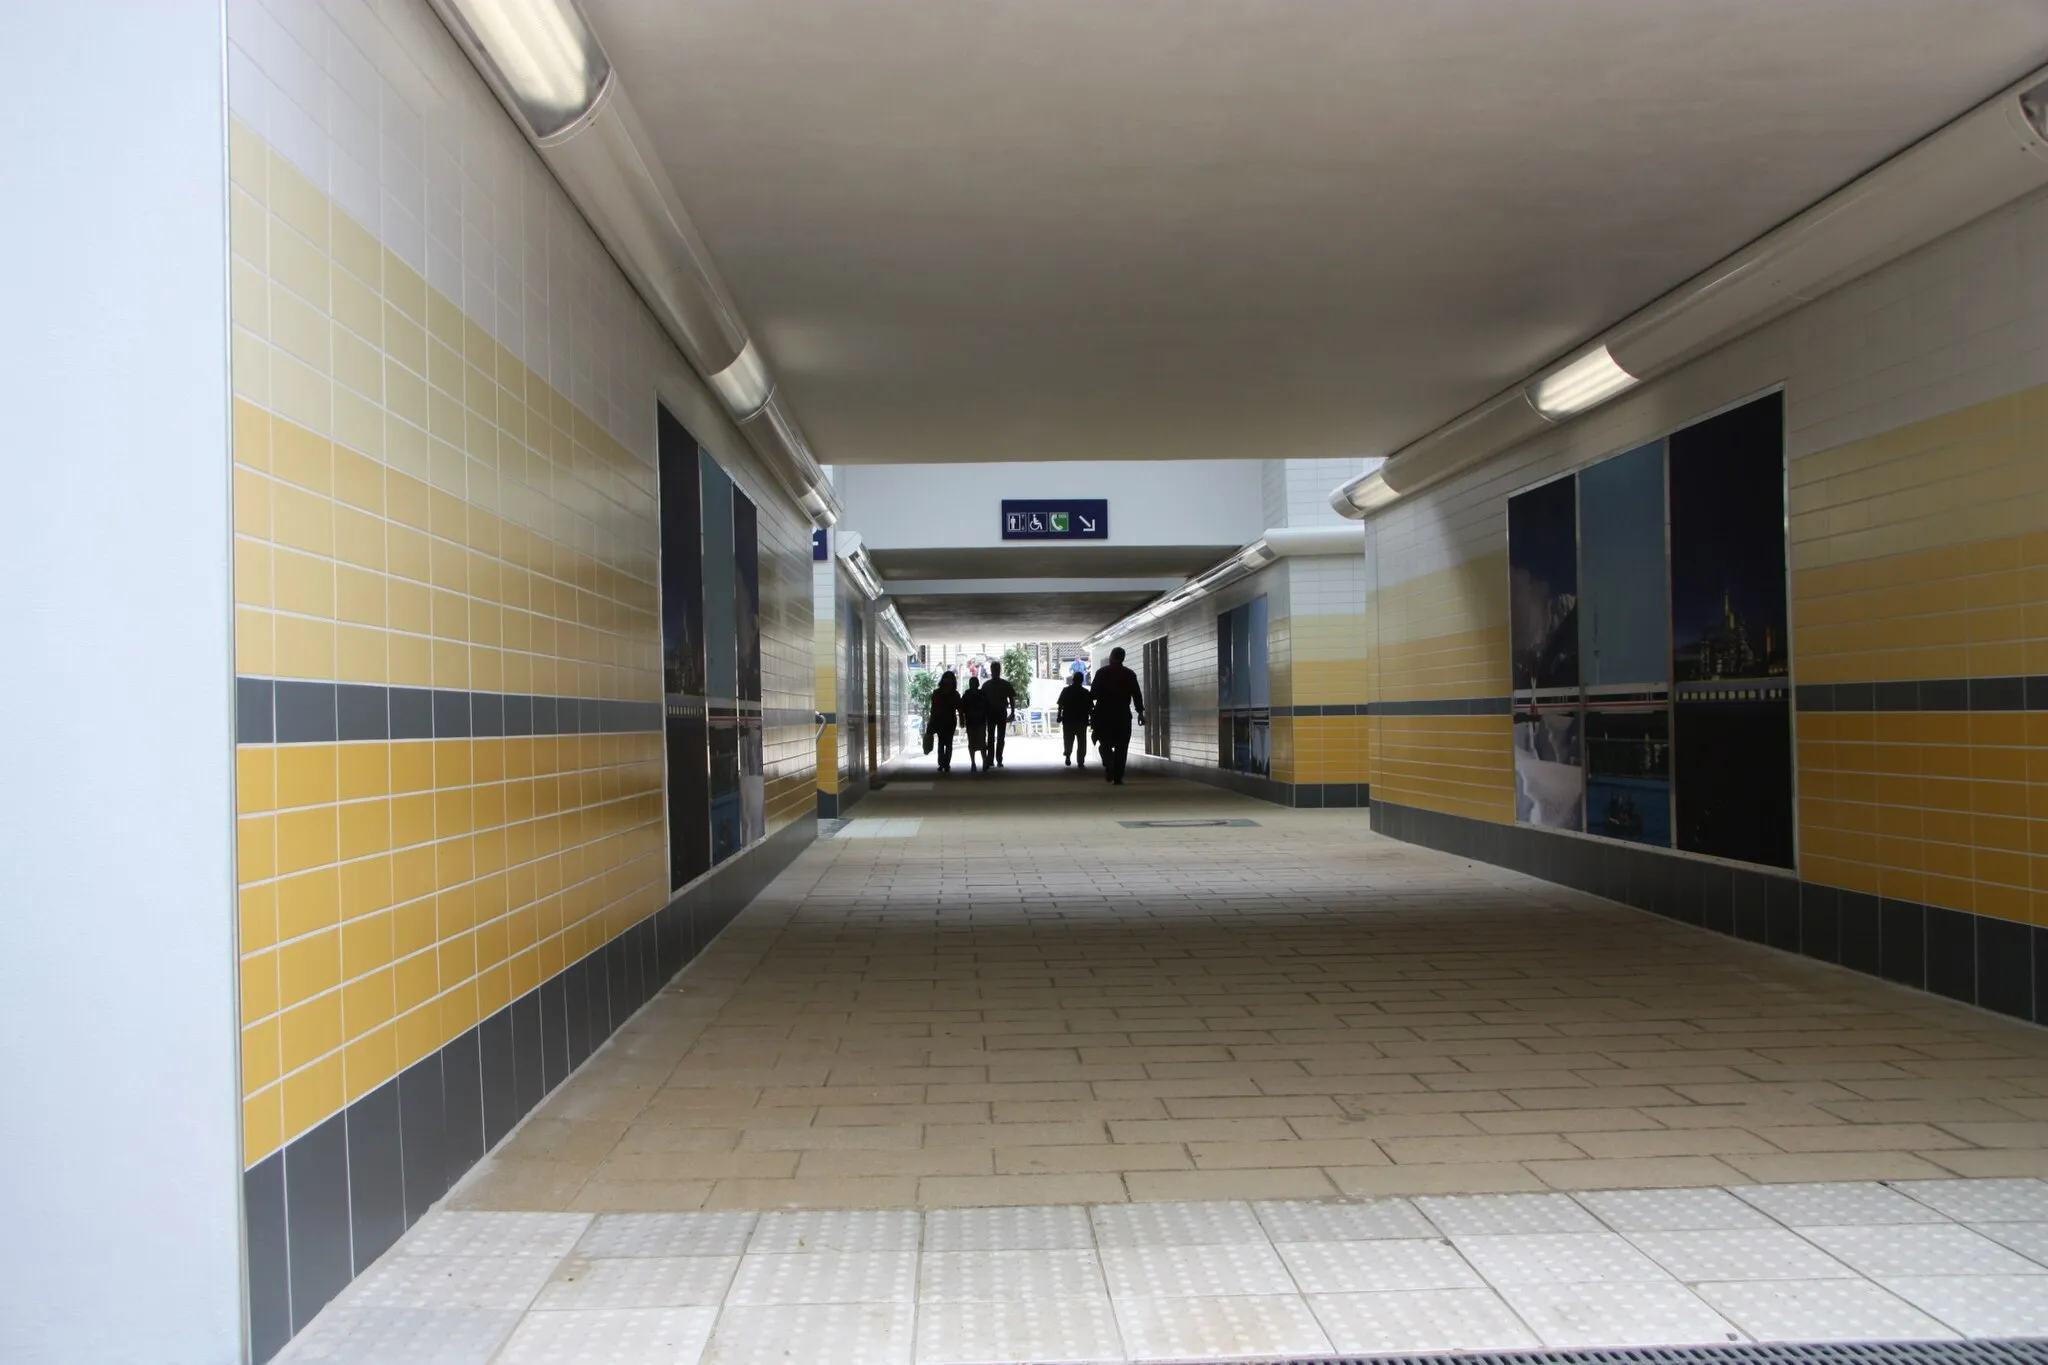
{"x":1151,"y":502}
{"x":119,"y":1170}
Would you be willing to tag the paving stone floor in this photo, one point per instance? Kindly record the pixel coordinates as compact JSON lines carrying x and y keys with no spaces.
{"x":1204,"y":1069}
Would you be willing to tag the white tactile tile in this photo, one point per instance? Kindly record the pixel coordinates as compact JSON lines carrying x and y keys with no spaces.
{"x":826,"y":1277}
{"x":1245,"y":1326}
{"x":402,"y":1336}
{"x":1836,"y":1205}
{"x":608,"y":1336}
{"x":2028,"y":1239}
{"x":1195,"y":1271}
{"x":638,"y":1282}
{"x":1559,"y":1258}
{"x":1920,"y":1249}
{"x":1420,"y":1320}
{"x":1617,"y":1314}
{"x":1306,"y":1221}
{"x":507,"y":1282}
{"x":1981,"y":1201}
{"x":495,"y":1234}
{"x":1672,"y":1210}
{"x":951,"y":1276}
{"x":1500,"y":1214}
{"x":1739,"y":1254}
{"x":667,"y":1234}
{"x":1025,"y":1227}
{"x":880,"y":829}
{"x":837,"y":1230}
{"x":1043,"y":1331}
{"x":1368,"y":1267}
{"x":1210,"y":1224}
{"x":1820,"y":1310}
{"x":842,"y":1333}
{"x":1980,"y":1305}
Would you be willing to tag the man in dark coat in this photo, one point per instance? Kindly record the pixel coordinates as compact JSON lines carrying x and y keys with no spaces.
{"x":1116,"y":695}
{"x":1073,"y":709}
{"x":1001,"y":700}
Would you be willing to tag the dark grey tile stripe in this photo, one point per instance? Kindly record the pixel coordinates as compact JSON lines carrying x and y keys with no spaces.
{"x":1997,"y":964}
{"x":1930,"y":694}
{"x":1447,"y":706}
{"x":1299,"y":795}
{"x":290,"y":711}
{"x":321,"y":1210}
{"x":1335,"y":709}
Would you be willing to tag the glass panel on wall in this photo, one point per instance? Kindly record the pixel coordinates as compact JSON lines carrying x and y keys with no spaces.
{"x":1543,"y":643}
{"x":1625,"y":636}
{"x":746,"y":579}
{"x":682,"y":651}
{"x":1158,"y":700}
{"x":1243,"y":690}
{"x":721,"y":658}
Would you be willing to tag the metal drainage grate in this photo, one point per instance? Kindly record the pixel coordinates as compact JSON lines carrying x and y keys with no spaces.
{"x":828,"y":828}
{"x":1189,"y":824}
{"x":1741,"y":1353}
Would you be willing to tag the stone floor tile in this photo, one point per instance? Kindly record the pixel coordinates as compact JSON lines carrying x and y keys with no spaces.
{"x":1618,"y":1314}
{"x":1620,"y":1173}
{"x":1219,"y":1328}
{"x":975,"y":1190}
{"x":1420,"y":1320}
{"x":1080,"y":1331}
{"x":1485,"y":1177}
{"x":1979,"y":1305}
{"x":1820,"y":1310}
{"x":1289,"y":1183}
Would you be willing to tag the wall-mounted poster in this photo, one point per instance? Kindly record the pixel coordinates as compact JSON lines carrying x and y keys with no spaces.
{"x":1628,"y":772}
{"x":1625,"y":646}
{"x":1730,"y":651}
{"x":1543,"y":630}
{"x":686,"y":740}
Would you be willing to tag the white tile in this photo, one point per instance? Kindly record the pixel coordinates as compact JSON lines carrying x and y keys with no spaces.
{"x":1367,"y":1267}
{"x":1507,"y":1213}
{"x":1836,"y":1204}
{"x":843,"y":1333}
{"x":1982,"y":1201}
{"x":2028,"y":1239}
{"x":1819,"y":1310}
{"x":508,"y":1282}
{"x":837,"y":1230}
{"x":1047,"y":1331}
{"x":1672,"y":1210}
{"x":1176,"y":1224}
{"x":667,"y":1234}
{"x":602,"y":1336}
{"x":402,"y":1336}
{"x":1220,"y":1328}
{"x":494,"y":1234}
{"x":1312,"y":1221}
{"x":1980,"y":1305}
{"x":1420,"y":1320}
{"x":826,"y":1277}
{"x":1022,"y":1228}
{"x":1559,"y":1258}
{"x":1617,"y":1314}
{"x":1739,"y":1254}
{"x":638,"y":1282}
{"x":1920,"y":1249}
{"x":985,"y":1275}
{"x":1192,"y":1271}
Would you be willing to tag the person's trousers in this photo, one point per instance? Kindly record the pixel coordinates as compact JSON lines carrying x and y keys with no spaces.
{"x":998,"y":732}
{"x":977,"y":741}
{"x":1076,"y":741}
{"x":942,"y":743}
{"x":1115,"y":743}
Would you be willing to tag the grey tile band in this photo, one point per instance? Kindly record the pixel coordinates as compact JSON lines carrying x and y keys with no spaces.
{"x":291,"y":711}
{"x":1930,"y":694}
{"x":1446,"y":706}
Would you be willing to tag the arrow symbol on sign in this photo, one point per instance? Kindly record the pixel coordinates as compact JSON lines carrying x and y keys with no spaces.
{"x":1086,"y":524}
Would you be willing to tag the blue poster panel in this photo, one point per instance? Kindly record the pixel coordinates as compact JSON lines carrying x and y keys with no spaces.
{"x":1624,"y":616}
{"x":1730,"y":652}
{"x":1628,"y":772}
{"x":1543,"y":629}
{"x":682,"y":652}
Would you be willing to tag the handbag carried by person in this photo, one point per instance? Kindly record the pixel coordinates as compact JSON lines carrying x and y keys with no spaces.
{"x":928,"y":738}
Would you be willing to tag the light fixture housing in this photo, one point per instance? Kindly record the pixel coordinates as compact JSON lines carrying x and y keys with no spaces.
{"x":743,"y":386}
{"x":549,"y":64}
{"x":1584,"y":382}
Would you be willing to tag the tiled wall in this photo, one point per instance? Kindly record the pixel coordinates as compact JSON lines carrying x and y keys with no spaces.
{"x":1917,"y":415}
{"x":450,"y":765}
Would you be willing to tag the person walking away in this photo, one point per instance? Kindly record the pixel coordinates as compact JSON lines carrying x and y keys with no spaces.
{"x":1001,"y":700}
{"x":974,"y":714}
{"x":1115,"y":695}
{"x":1073,"y":713}
{"x":943,"y":718}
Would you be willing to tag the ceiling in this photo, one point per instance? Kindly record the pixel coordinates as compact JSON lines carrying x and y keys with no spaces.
{"x":1219,"y":228}
{"x":1014,"y":616}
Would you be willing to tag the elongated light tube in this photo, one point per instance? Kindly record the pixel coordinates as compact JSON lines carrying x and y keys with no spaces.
{"x":1586,"y":382}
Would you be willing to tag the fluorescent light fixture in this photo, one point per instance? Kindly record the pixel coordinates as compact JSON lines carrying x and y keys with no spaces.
{"x":1257,"y":555}
{"x":1363,"y":496}
{"x":545,"y":55}
{"x":1586,"y":382}
{"x":744,"y":385}
{"x":2034,"y":108}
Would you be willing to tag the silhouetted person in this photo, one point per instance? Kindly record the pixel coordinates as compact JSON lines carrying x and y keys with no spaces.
{"x":1116,"y":694}
{"x":943,"y":718}
{"x":1001,"y":700}
{"x":1073,"y":710}
{"x":974,"y":714}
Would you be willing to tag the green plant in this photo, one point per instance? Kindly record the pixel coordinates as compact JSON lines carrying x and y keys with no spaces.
{"x":1018,"y":665}
{"x":922,"y":683}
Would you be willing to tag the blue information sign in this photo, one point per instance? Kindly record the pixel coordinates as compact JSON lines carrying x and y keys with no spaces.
{"x":819,"y":552}
{"x":1055,"y":519}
